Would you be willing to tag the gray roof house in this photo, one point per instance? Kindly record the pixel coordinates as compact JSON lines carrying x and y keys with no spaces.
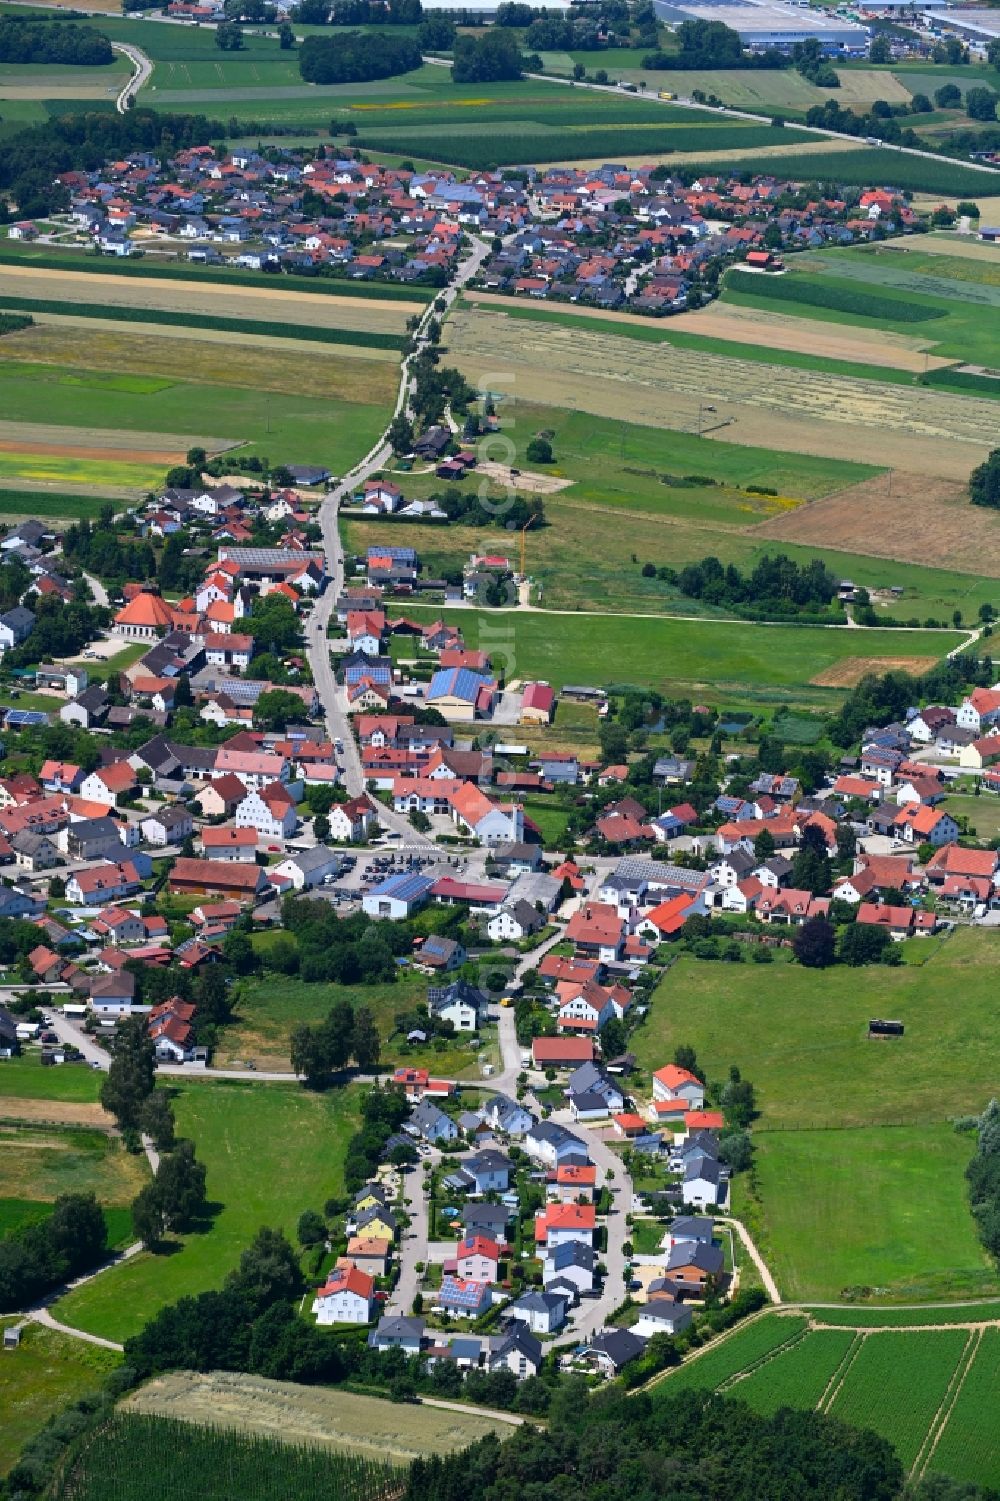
{"x":395,"y":1333}
{"x":612,"y":1349}
{"x":544,"y":1313}
{"x":432,"y":1123}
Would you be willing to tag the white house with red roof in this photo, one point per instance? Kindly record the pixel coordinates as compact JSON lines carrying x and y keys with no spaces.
{"x":560,"y":1224}
{"x":477,"y":1258}
{"x":675,"y":1083}
{"x":227,"y":842}
{"x":347,"y":1297}
{"x":271,"y":811}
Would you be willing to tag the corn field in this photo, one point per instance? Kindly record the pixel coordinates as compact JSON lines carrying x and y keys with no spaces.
{"x":139,"y":1458}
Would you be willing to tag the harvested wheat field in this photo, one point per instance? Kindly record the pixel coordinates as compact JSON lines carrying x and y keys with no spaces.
{"x":265,"y":304}
{"x":959,"y":247}
{"x":205,"y":357}
{"x":912,"y":428}
{"x":942,"y":530}
{"x":850,"y":670}
{"x":105,"y":443}
{"x":527,"y":480}
{"x":867,"y":346}
{"x":310,"y":1414}
{"x":35,"y":1112}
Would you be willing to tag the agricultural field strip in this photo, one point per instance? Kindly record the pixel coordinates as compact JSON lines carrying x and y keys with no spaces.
{"x":966,"y":1445}
{"x":901,"y":279}
{"x":705,"y":378}
{"x":839,"y":1376}
{"x":319,"y":1415}
{"x":899,"y":1385}
{"x":183,"y":297}
{"x":749,"y":1343}
{"x":937,"y":1427}
{"x":769,"y":334}
{"x":38,"y":437}
{"x":199,"y":334}
{"x":799,"y":1375}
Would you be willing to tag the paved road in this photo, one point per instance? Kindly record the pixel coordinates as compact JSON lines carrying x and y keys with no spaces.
{"x":414,"y":1242}
{"x":142,"y":67}
{"x":593,"y":1313}
{"x":333,"y":698}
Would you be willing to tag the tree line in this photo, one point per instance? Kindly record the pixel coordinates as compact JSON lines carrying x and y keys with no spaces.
{"x":983,"y":1177}
{"x":37,"y":41}
{"x":39,"y":1257}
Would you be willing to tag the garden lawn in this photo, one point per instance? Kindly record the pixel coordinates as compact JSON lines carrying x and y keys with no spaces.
{"x":865,"y":1208}
{"x":271,"y":1151}
{"x":715,"y":658}
{"x":801,"y":1035}
{"x":24,"y":1078}
{"x":46,"y":1371}
{"x":983,"y":813}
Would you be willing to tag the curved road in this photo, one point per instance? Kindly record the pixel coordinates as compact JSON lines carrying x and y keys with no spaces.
{"x":333,"y":697}
{"x":142,"y":72}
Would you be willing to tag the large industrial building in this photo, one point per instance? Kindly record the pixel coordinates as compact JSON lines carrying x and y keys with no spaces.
{"x":766,"y":25}
{"x":980,"y":26}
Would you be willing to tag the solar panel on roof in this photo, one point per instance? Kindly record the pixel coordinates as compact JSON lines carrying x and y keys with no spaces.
{"x":21,"y":718}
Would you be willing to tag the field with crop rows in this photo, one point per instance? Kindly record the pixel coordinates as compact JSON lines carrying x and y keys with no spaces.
{"x":896,"y":1384}
{"x":827,"y":294}
{"x":732,"y":400}
{"x":967,"y":1447}
{"x":181,"y":1459}
{"x":796,"y":1377}
{"x":738,"y":1352}
{"x":265,"y":302}
{"x":904,"y":1384}
{"x":902,"y":1318}
{"x":865,"y":168}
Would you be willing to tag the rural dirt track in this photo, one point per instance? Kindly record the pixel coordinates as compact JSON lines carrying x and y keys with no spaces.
{"x":267,"y":304}
{"x":921,"y":430}
{"x":942,"y":530}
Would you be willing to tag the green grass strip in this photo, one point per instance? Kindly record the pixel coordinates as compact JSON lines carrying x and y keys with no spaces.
{"x":205,"y":320}
{"x":119,"y":266}
{"x":824,"y":294}
{"x":963,"y":380}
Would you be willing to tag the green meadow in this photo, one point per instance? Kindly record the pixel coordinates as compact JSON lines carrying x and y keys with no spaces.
{"x":271,"y":1151}
{"x":299,"y":428}
{"x":47,"y":1371}
{"x":715,"y":658}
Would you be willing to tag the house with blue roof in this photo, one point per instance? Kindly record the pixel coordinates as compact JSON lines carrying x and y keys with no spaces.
{"x":397,"y":897}
{"x":459,"y":693}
